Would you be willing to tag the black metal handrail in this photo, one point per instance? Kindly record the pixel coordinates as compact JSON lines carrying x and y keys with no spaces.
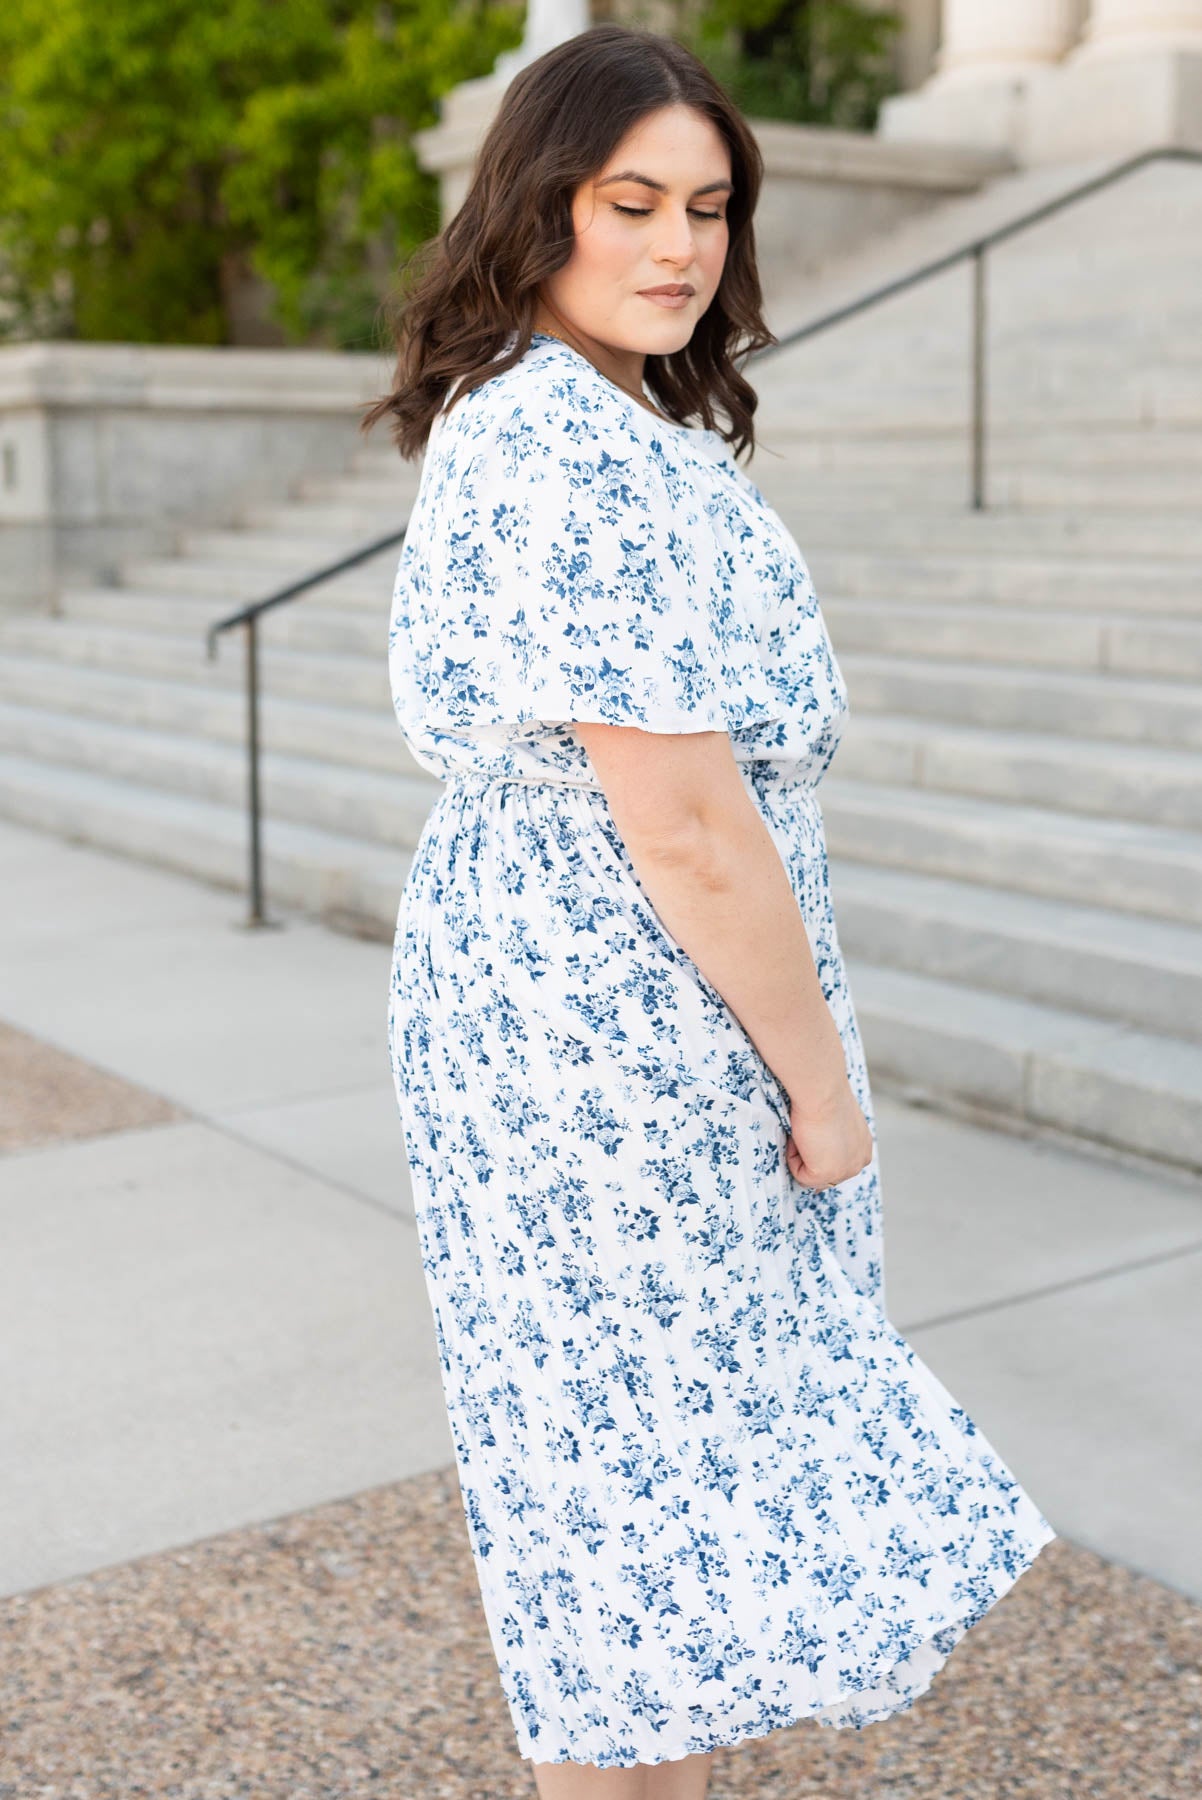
{"x":249,"y":617}
{"x":976,"y":249}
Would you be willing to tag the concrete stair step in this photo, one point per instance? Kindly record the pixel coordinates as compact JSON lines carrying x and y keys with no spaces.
{"x":1152,"y":870}
{"x":856,"y":397}
{"x":367,"y":513}
{"x":226,"y":584}
{"x":1163,"y":475}
{"x":959,"y":531}
{"x":1112,"y":708}
{"x":1030,"y":357}
{"x":1126,"y":644}
{"x":871,"y":370}
{"x":387,"y":808}
{"x":1078,"y":582}
{"x":1029,"y":1064}
{"x":230,"y":583}
{"x":1029,"y":376}
{"x":1050,"y":347}
{"x":298,"y":548}
{"x":347,"y":736}
{"x":343,"y":880}
{"x":311,"y":623}
{"x":1082,"y":958}
{"x":301,"y":674}
{"x":1033,"y":768}
{"x":1154,"y":491}
{"x":1146,"y":323}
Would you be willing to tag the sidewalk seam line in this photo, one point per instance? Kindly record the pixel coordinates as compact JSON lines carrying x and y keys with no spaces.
{"x":1055,"y":1287}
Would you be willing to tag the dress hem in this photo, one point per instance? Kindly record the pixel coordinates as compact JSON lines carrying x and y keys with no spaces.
{"x":962,"y":1624}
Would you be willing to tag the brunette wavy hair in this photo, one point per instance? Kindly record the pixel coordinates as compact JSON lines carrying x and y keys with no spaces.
{"x":462,"y":294}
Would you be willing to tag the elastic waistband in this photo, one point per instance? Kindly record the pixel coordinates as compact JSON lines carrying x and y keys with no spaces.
{"x":476,"y":778}
{"x":762,"y":773}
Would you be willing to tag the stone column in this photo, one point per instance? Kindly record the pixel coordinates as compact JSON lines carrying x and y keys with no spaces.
{"x":917,"y":43}
{"x":993,"y":55}
{"x":1133,"y":83}
{"x":1120,"y":27}
{"x":986,"y":38}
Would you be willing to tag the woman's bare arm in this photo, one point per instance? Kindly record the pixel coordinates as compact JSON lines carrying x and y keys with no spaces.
{"x":709,"y":866}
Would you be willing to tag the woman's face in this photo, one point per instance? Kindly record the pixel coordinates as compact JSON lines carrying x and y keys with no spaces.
{"x":654,"y":216}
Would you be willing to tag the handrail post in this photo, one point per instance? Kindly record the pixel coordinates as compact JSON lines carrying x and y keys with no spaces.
{"x":252,"y":742}
{"x":978,"y":377}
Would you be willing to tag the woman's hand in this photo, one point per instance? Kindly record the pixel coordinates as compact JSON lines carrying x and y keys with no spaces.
{"x":831,"y":1144}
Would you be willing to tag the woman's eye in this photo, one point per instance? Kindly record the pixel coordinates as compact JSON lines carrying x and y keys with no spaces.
{"x":641,"y":212}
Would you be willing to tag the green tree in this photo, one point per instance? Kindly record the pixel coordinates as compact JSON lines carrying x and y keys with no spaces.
{"x":820,"y":62}
{"x":150,"y":149}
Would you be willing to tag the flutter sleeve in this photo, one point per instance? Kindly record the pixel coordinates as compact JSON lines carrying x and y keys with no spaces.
{"x":575,"y":576}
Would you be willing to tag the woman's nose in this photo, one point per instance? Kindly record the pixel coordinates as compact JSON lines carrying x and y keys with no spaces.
{"x":676,"y":241}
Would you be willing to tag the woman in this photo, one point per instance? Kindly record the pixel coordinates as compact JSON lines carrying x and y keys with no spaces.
{"x":709,"y":1489}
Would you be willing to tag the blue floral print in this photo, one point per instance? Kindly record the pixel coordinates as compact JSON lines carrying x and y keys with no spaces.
{"x":709,"y":1489}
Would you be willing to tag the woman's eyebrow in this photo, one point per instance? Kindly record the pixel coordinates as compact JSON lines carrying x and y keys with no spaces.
{"x":711,"y":187}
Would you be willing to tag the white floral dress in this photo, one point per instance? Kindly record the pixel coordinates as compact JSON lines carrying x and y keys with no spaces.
{"x":710,"y":1490}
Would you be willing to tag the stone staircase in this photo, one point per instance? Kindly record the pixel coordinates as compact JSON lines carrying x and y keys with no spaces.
{"x":1015,"y":812}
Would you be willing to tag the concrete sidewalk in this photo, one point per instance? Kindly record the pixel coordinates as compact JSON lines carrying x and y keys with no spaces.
{"x":212,"y":1310}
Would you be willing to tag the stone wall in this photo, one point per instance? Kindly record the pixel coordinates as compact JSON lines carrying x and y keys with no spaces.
{"x":106,"y":449}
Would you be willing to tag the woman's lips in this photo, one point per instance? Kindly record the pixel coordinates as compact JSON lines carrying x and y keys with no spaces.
{"x":672,"y":301}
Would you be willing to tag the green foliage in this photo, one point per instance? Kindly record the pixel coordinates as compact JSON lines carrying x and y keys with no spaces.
{"x":820,"y":62}
{"x":152,"y":149}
